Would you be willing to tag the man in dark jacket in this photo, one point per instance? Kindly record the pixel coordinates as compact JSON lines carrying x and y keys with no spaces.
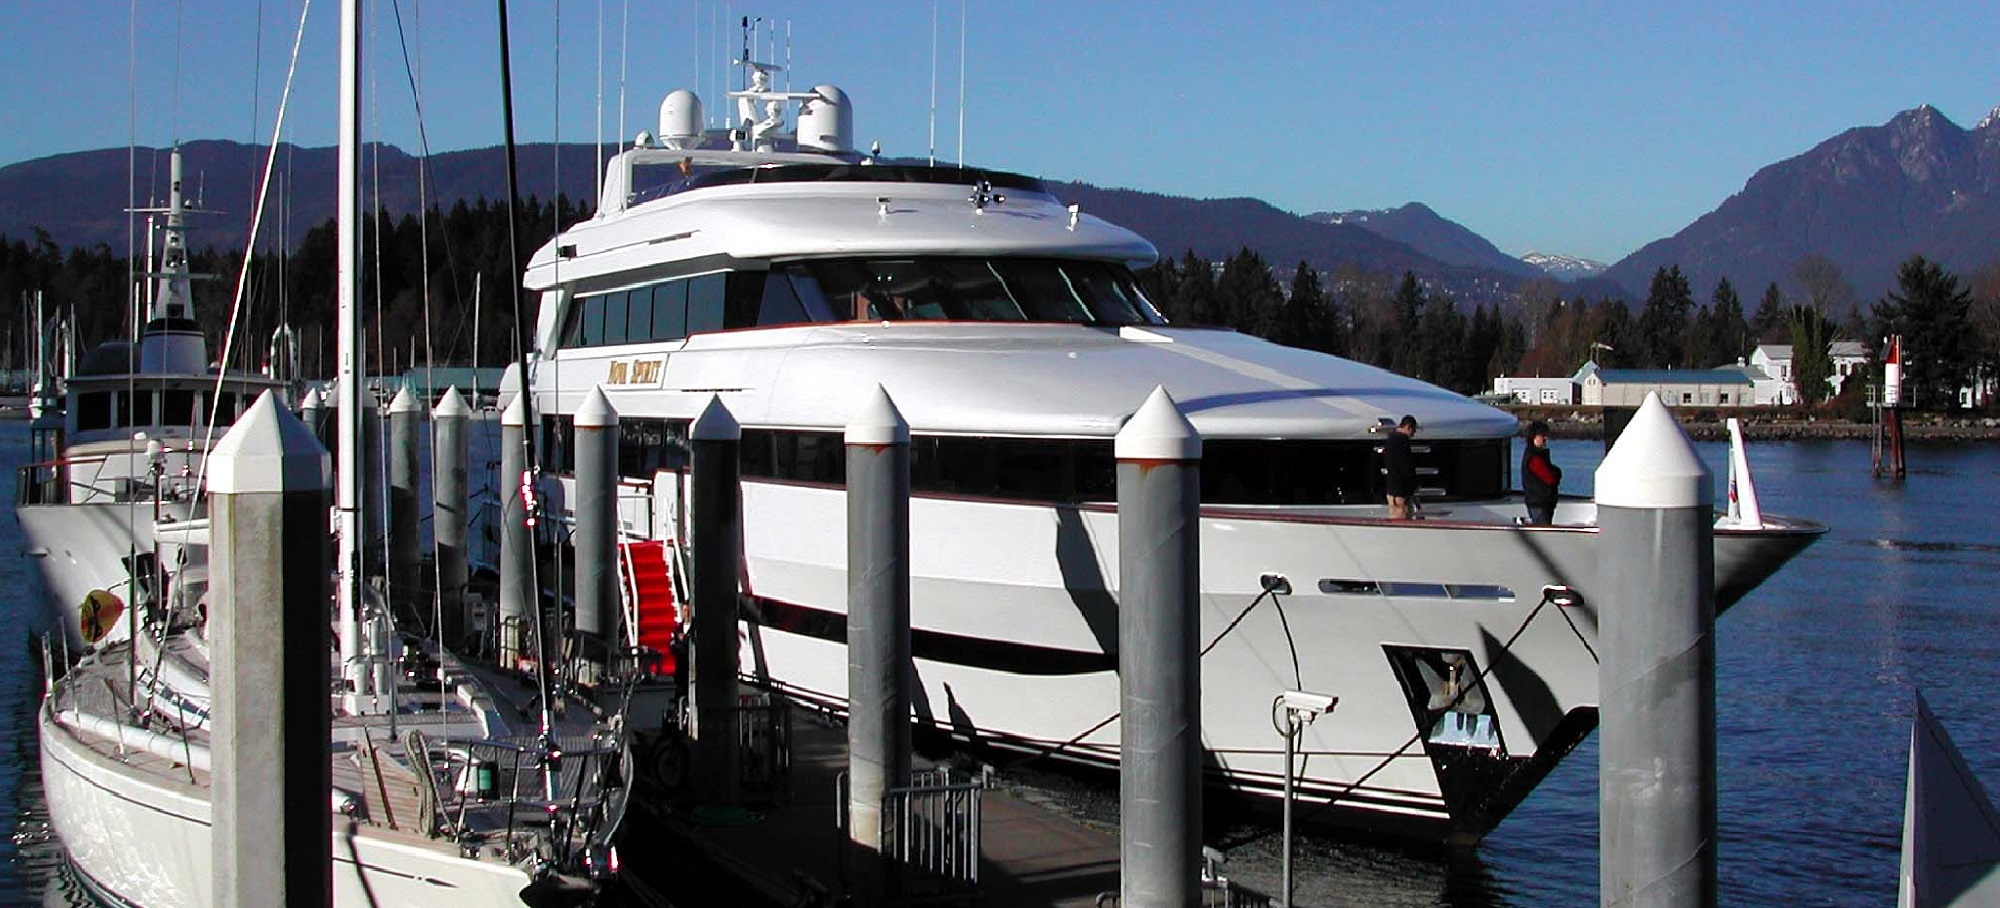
{"x":1402,"y":469}
{"x":1540,"y":477}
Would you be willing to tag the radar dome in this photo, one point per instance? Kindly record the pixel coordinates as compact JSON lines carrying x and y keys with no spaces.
{"x":826,"y":123}
{"x":680,"y":119}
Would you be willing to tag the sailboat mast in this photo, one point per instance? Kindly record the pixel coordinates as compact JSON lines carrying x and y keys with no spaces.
{"x":347,"y":491}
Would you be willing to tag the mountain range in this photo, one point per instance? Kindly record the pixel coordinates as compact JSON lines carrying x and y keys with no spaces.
{"x":1434,"y":235}
{"x":1865,"y":199}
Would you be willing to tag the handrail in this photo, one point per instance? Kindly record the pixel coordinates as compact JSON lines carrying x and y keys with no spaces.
{"x":628,"y":595}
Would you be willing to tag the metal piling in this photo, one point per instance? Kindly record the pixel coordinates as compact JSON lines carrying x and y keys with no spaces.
{"x":715,"y":539}
{"x":1656,"y":756}
{"x":596,"y":509}
{"x":878,"y":629}
{"x":1159,"y":661}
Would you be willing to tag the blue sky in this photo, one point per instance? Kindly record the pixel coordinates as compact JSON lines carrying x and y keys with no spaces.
{"x":1587,"y":129}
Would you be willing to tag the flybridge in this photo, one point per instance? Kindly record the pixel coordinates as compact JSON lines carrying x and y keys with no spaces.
{"x":825,"y":133}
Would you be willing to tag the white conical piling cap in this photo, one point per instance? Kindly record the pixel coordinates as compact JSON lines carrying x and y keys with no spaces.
{"x":451,"y":405}
{"x":405,"y":402}
{"x":313,"y":400}
{"x":1654,"y":465}
{"x":715,"y":423}
{"x":1158,"y":431}
{"x":878,"y":422}
{"x":268,"y":450}
{"x":597,"y":411}
{"x":516,"y":414}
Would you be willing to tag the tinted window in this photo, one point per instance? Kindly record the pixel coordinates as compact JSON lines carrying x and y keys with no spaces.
{"x":646,"y":446}
{"x":179,"y":409}
{"x":614,"y":317}
{"x":93,"y":411}
{"x":746,"y":297}
{"x":780,"y":304}
{"x":639,"y":314}
{"x":143,"y":408}
{"x":705,"y":303}
{"x":670,"y":310}
{"x":591,"y":330}
{"x":1234,"y":472}
{"x":972,"y":289}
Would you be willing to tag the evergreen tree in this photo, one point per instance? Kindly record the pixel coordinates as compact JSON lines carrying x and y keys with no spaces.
{"x":1721,"y":335}
{"x":1440,"y":338}
{"x":1406,"y":356}
{"x":1930,"y":308}
{"x":1768,"y":326}
{"x":1483,"y":336}
{"x":1250,"y":297}
{"x":1812,"y":361}
{"x":1510,"y":351}
{"x":1305,"y":315}
{"x":1663,"y":325}
{"x":1195,"y":302}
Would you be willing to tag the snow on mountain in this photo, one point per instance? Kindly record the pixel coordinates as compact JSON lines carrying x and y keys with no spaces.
{"x":1565,"y":267}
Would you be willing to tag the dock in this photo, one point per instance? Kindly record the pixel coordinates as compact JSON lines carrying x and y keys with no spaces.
{"x":789,"y":852}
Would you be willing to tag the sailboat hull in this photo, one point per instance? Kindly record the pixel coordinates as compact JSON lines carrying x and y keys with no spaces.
{"x":137,"y":826}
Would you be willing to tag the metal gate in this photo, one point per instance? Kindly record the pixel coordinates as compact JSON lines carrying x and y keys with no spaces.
{"x":930,"y":836}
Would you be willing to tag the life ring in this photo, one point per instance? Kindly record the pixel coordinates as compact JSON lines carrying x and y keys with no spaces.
{"x":98,"y":615}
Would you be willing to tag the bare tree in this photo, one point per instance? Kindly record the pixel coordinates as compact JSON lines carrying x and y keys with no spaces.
{"x":1825,"y":288}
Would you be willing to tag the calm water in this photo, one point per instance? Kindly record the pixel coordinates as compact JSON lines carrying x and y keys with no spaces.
{"x":1816,"y":670}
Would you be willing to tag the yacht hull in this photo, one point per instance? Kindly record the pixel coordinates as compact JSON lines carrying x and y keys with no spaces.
{"x":1015,"y":627}
{"x":79,"y":548}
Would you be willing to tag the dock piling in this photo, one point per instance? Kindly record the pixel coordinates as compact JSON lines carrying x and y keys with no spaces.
{"x":878,"y":629}
{"x":596,"y":510}
{"x":516,"y":548}
{"x":269,"y":495}
{"x":714,"y":540}
{"x":1657,"y":795}
{"x":406,"y":417}
{"x":1159,"y":663}
{"x":450,"y":513}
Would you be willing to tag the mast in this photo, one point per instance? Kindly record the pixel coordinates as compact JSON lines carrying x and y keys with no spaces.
{"x":170,"y":339}
{"x":347,"y":486}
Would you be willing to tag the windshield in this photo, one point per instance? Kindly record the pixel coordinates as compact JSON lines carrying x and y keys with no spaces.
{"x":968,"y":289}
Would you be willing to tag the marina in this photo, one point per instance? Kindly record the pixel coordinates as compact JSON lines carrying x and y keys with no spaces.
{"x":862,"y":529}
{"x":1813,"y":701}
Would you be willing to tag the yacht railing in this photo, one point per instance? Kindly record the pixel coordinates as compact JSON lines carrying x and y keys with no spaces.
{"x":57,"y":482}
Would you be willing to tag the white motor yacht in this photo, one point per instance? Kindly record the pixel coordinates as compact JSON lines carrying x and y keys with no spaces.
{"x":124,"y":454}
{"x":788,"y":275}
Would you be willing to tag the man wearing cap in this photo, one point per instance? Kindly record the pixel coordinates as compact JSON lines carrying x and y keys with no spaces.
{"x":1540,"y":477}
{"x":1402,"y":469}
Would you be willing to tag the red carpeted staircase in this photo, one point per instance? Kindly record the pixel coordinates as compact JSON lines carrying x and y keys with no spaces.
{"x":659,"y":615}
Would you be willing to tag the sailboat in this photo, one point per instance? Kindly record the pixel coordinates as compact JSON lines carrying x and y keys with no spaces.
{"x":442,"y":793}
